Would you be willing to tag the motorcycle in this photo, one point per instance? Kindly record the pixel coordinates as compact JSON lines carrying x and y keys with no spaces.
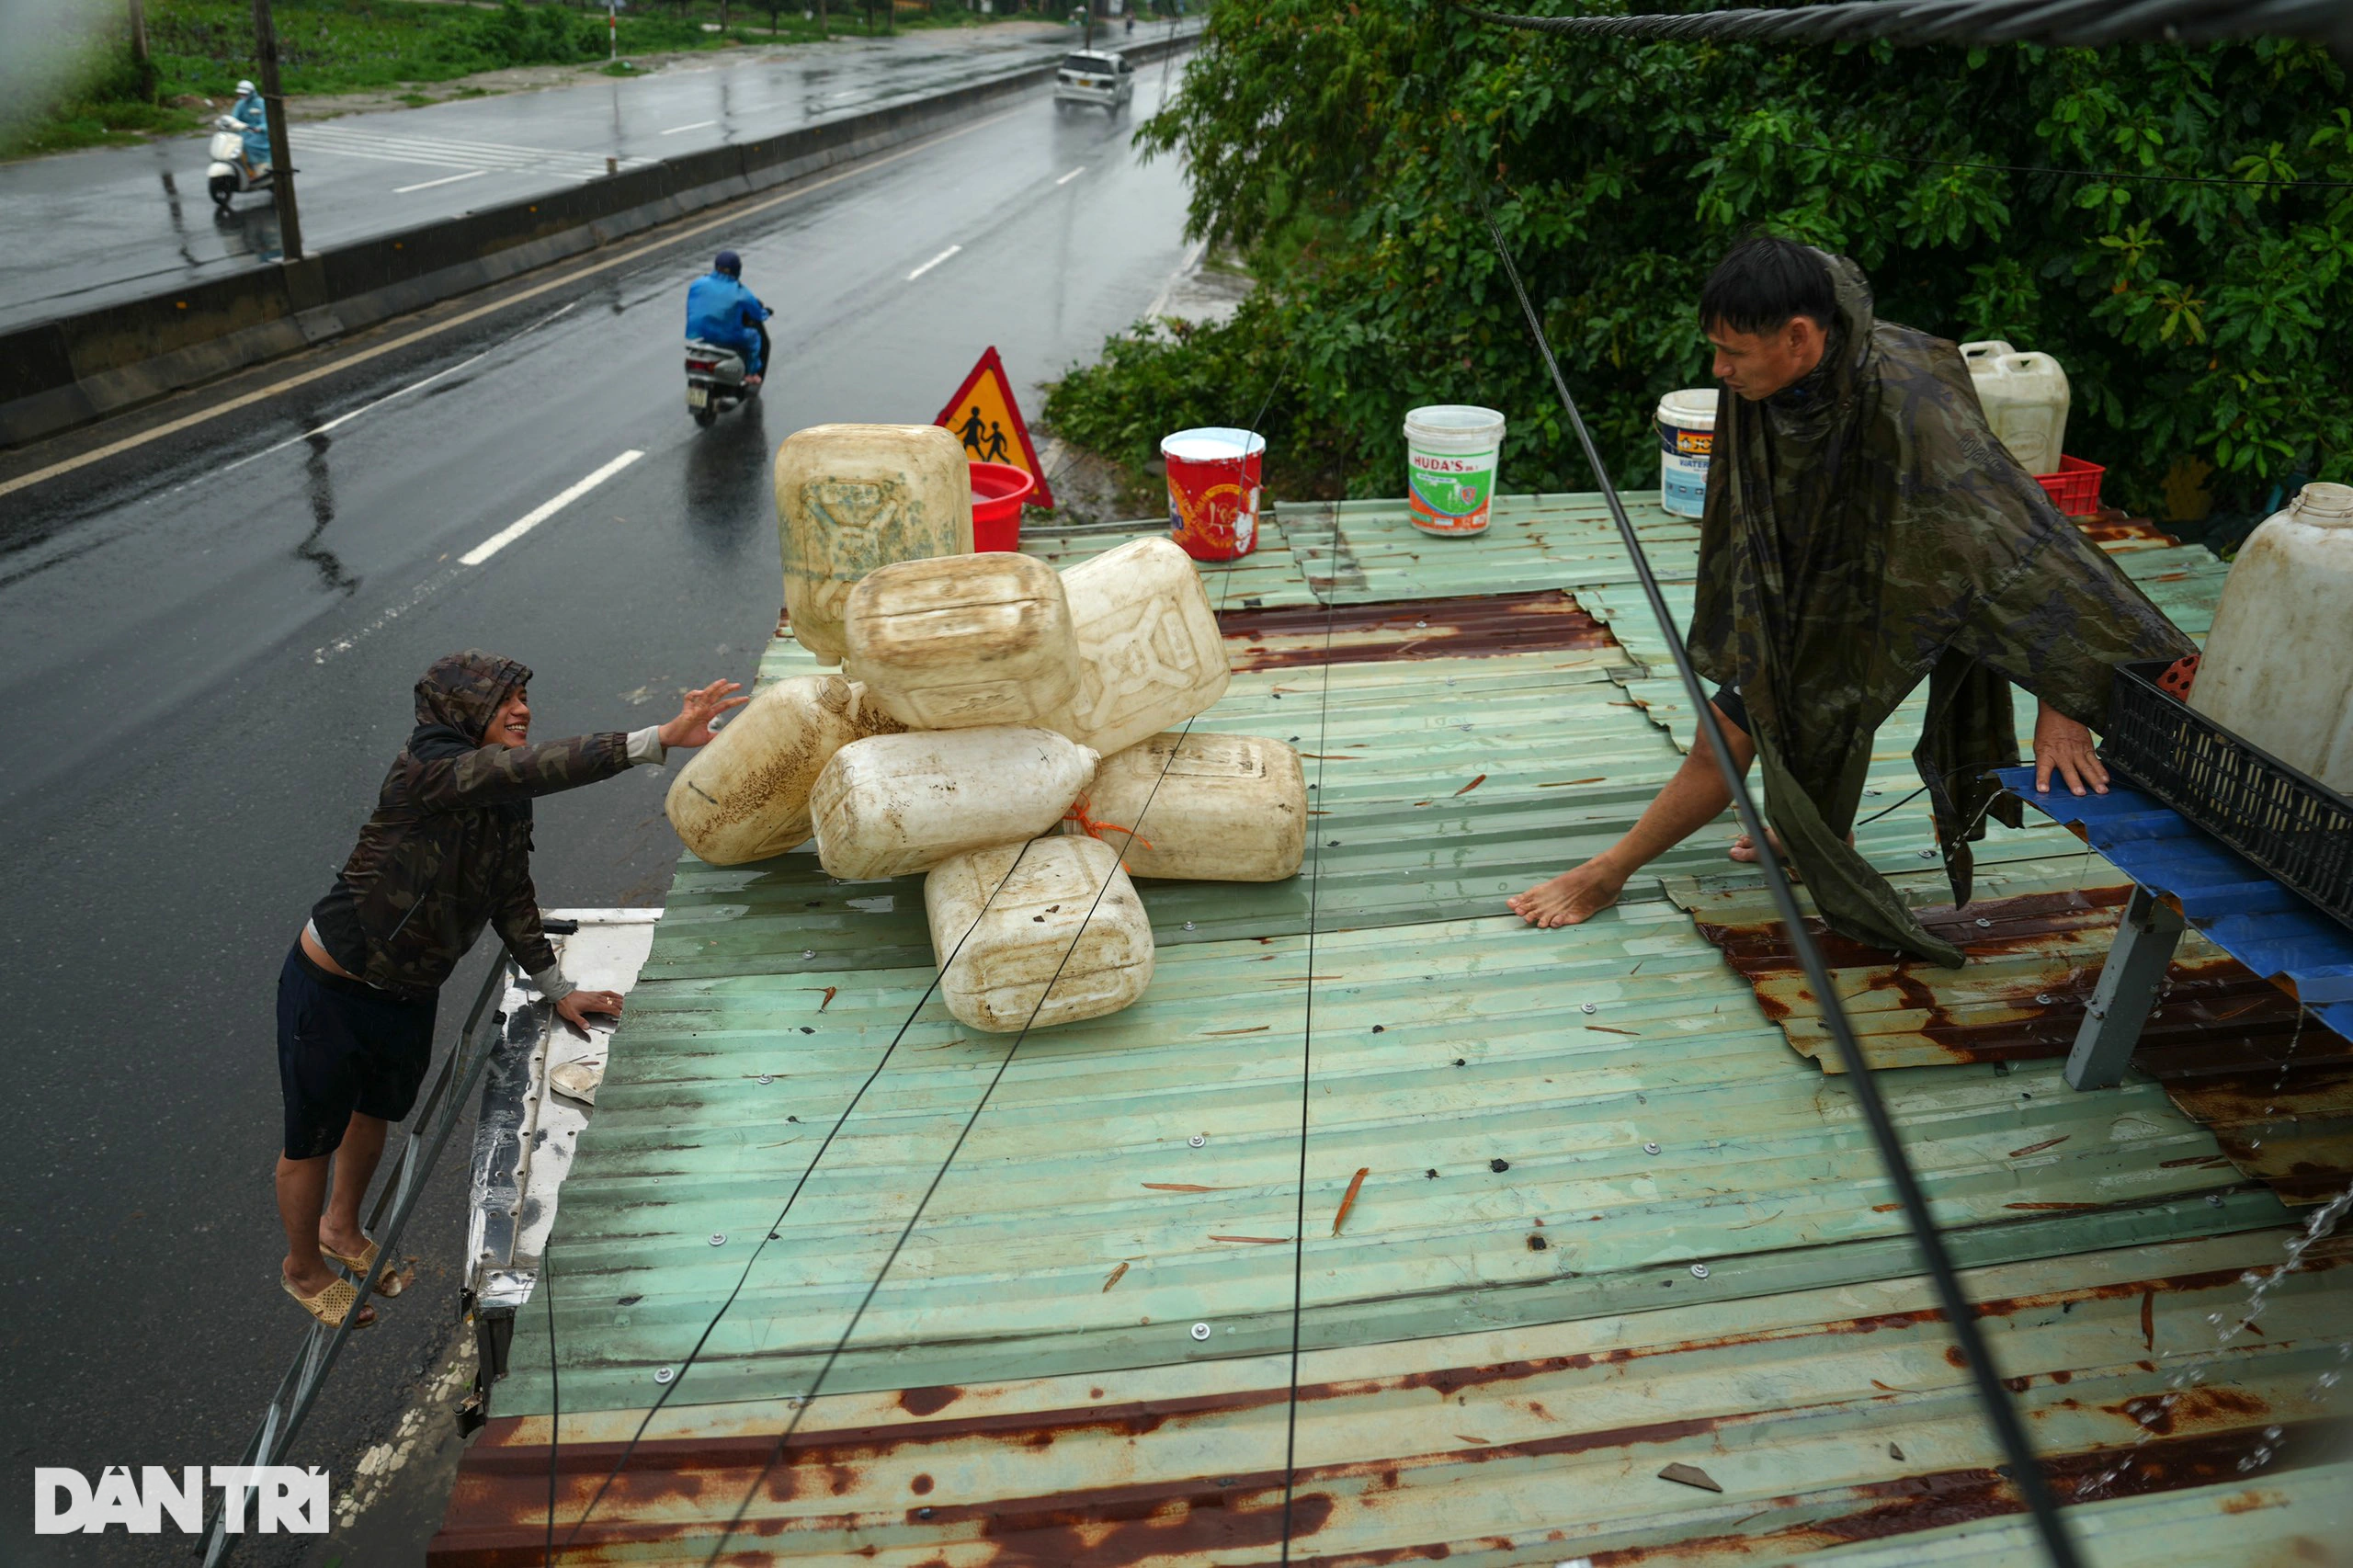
{"x":228,"y":178}
{"x":714,"y":380}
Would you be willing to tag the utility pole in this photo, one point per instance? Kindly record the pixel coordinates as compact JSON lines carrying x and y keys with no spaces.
{"x":139,"y":33}
{"x":281,"y":155}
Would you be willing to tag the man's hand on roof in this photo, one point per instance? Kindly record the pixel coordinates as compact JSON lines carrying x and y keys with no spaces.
{"x":575,"y":1006}
{"x":692,"y":726}
{"x":2063,"y":744}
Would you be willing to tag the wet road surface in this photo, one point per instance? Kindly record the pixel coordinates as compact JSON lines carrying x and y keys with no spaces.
{"x":206,"y":648}
{"x":85,"y":229}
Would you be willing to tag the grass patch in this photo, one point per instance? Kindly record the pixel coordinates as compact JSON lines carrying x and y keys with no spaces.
{"x":201,"y":48}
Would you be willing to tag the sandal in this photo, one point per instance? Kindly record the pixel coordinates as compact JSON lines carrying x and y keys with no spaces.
{"x":360,"y":1264}
{"x":330,"y":1306}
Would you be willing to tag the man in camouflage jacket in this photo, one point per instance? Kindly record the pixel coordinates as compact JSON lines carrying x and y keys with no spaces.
{"x":1865,"y":532}
{"x":446,"y":852}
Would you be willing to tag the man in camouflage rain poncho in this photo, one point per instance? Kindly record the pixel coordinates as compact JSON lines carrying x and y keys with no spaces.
{"x":1864,"y":530}
{"x":446,"y":851}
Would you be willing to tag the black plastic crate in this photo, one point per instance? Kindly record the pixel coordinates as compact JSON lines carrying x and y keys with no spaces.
{"x":2284,"y":820}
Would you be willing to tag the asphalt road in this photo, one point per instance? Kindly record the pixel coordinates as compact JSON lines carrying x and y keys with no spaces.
{"x":207,"y":642}
{"x":114,"y":223}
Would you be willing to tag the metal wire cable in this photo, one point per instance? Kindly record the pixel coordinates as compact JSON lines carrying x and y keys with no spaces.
{"x":769,"y":1234}
{"x":555,"y":1397}
{"x":1960,"y":1313}
{"x":808,"y":1400}
{"x":2103,"y":174}
{"x":1307,"y":1040}
{"x":2065,"y":22}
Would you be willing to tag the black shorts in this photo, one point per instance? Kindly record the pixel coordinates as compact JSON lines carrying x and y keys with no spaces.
{"x":344,"y":1046}
{"x":1727,"y":702}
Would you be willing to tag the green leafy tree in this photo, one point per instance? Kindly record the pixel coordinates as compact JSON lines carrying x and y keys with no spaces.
{"x":2196,"y":285}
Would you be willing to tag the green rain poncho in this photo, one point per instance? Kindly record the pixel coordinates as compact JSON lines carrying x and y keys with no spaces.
{"x":1863,"y":530}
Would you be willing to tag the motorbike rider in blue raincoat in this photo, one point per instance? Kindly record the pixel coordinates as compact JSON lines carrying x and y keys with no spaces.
{"x":248,"y":111}
{"x":721,"y":310}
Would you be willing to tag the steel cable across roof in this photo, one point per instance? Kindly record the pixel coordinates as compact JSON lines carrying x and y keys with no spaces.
{"x":2064,"y":22}
{"x":1960,"y":1314}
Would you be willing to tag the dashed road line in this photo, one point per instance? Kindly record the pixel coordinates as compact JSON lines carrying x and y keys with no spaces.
{"x":446,"y":179}
{"x":1071,"y":175}
{"x":543,"y":511}
{"x":697,"y":125}
{"x":934,"y":261}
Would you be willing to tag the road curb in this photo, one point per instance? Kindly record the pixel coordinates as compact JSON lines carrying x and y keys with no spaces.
{"x":70,"y":370}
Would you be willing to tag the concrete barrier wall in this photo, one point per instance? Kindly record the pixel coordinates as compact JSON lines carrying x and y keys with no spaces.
{"x":67,"y":371}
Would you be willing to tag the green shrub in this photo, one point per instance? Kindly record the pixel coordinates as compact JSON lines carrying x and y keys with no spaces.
{"x":1342,"y":142}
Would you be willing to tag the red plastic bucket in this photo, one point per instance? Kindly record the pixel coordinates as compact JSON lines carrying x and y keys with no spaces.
{"x":998,"y":490}
{"x":1213,"y":491}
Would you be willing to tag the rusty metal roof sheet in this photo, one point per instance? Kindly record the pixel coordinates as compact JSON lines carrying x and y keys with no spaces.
{"x":1606,"y":1223}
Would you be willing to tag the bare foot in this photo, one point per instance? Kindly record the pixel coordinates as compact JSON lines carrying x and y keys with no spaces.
{"x":1570,"y":898}
{"x":350,"y":1240}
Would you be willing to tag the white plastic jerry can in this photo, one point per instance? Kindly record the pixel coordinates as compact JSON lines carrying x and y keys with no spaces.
{"x":1032,"y":935}
{"x":745,"y":796}
{"x":963,"y":640}
{"x":1150,"y":653}
{"x":2278,"y":668}
{"x":894,"y":804}
{"x":1201,"y":808}
{"x":852,"y":497}
{"x":2026,"y":401}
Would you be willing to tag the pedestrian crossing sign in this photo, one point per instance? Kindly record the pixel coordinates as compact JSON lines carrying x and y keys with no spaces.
{"x":984,"y":416}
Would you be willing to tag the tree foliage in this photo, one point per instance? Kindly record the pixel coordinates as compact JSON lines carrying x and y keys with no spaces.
{"x":1342,"y":145}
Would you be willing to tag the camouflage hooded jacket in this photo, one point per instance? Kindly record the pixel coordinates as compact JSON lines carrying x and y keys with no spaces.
{"x":1870,"y":532}
{"x":448,"y":849}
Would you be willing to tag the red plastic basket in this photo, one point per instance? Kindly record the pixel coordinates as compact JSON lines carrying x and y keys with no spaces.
{"x":2074,"y":489}
{"x":998,"y":491}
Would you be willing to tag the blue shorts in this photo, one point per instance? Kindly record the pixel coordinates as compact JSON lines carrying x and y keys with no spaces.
{"x":344,"y":1046}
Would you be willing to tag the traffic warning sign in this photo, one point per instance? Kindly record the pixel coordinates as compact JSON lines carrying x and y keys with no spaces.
{"x":984,"y":416}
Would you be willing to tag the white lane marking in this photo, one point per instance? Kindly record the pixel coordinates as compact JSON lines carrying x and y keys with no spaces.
{"x":934,"y":261}
{"x":446,"y":179}
{"x":346,"y":418}
{"x":1071,"y":175}
{"x":417,"y":595}
{"x":542,"y":512}
{"x":732,"y":217}
{"x":697,"y":125}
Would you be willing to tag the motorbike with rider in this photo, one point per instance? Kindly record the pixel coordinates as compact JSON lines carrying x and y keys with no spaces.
{"x":240,"y":148}
{"x":727,"y":340}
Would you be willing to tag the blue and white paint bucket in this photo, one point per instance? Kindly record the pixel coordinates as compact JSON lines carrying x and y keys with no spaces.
{"x":1687,"y":433}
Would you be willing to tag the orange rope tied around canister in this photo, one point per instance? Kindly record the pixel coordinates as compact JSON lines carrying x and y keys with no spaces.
{"x":1093,"y":829}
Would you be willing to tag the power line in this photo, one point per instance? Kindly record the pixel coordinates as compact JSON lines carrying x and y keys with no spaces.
{"x":2082,"y":23}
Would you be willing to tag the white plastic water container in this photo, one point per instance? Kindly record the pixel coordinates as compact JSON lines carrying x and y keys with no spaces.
{"x":1207,"y":808}
{"x":894,"y":804}
{"x":1149,"y":653}
{"x":1686,"y":438}
{"x":1010,"y":921}
{"x":746,"y":795}
{"x":1453,"y":454}
{"x":852,"y":497}
{"x":2026,"y":401}
{"x":963,"y":640}
{"x":2278,"y":668}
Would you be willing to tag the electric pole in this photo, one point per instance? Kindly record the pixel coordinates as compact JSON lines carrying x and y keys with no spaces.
{"x":282,"y":156}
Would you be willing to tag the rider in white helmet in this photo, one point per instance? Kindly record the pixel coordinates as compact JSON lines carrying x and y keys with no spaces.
{"x":248,"y":111}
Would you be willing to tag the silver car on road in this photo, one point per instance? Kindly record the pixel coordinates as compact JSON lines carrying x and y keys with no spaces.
{"x":1096,"y":78}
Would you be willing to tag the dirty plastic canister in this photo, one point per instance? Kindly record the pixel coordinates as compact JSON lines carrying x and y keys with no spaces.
{"x":2026,"y":400}
{"x":1687,"y":437}
{"x":1010,"y":921}
{"x":1149,"y":650}
{"x":2278,"y":668}
{"x":894,"y":804}
{"x":962,"y":641}
{"x":1453,"y":453}
{"x":1200,"y":807}
{"x":746,"y":795}
{"x":852,"y":497}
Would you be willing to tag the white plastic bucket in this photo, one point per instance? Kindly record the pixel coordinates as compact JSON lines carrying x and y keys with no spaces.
{"x":1452,"y":454}
{"x":1686,"y":433}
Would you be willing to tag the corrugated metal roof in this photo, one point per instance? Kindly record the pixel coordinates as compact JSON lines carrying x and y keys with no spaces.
{"x":1506,"y":1340}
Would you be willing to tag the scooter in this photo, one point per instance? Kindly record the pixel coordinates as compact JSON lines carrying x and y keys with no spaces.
{"x":714,"y":380}
{"x":228,"y":177}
